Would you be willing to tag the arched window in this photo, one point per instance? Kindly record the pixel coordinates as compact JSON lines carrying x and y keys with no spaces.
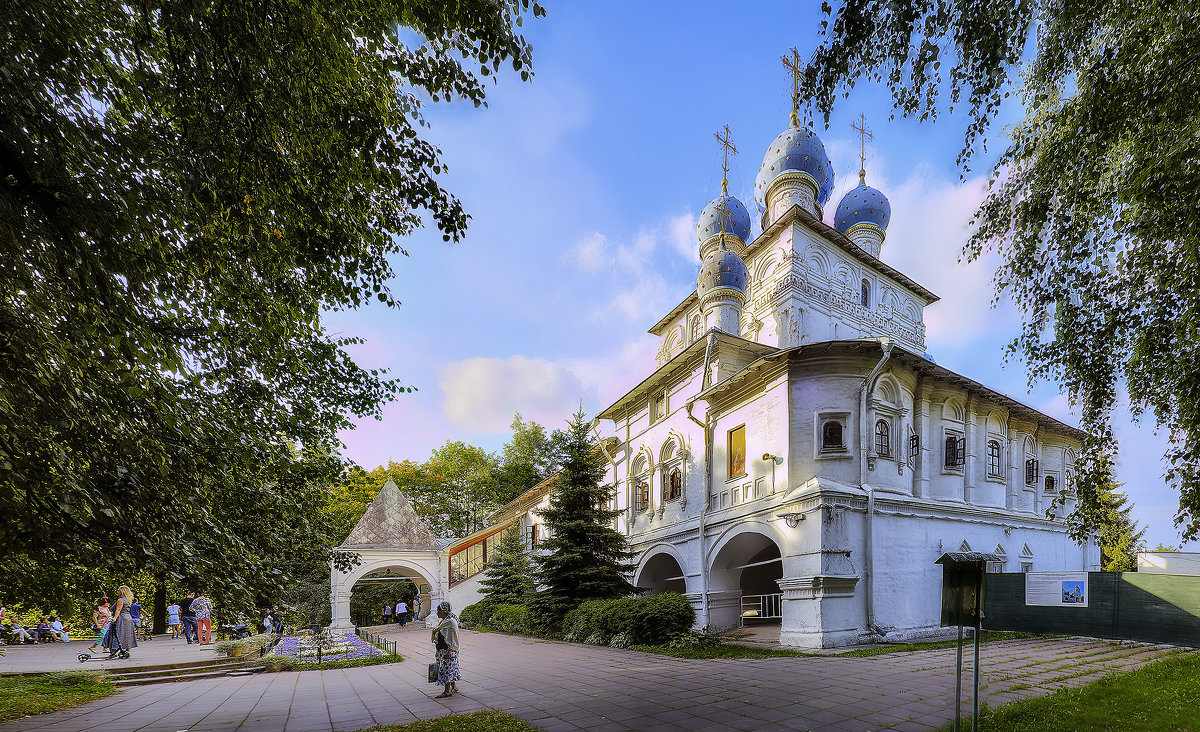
{"x":993,"y":458}
{"x":831,"y":436}
{"x":673,"y":485}
{"x":695,"y":329}
{"x":641,"y":484}
{"x":1051,"y":484}
{"x":883,"y":438}
{"x":865,"y":294}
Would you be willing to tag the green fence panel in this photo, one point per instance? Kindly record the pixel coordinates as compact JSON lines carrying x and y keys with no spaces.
{"x":1154,"y":608}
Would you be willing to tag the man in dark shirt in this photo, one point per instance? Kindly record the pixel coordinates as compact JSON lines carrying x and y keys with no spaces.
{"x":188,"y":617}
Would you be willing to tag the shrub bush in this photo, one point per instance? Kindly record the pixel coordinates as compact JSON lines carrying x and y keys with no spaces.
{"x":597,"y":639}
{"x":620,"y":640}
{"x":476,"y":615}
{"x":509,"y":619}
{"x":649,"y":620}
{"x":694,"y":639}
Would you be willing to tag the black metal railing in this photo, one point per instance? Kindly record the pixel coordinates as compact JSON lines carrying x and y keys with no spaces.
{"x":377,"y":640}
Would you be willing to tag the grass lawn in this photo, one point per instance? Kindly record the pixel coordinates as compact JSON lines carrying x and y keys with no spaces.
{"x":986,"y":636}
{"x":733,"y":650}
{"x":1164,"y":695}
{"x":24,"y":695}
{"x":486,"y":721}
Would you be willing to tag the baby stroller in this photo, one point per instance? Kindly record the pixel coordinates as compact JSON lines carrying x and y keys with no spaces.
{"x":121,"y":654}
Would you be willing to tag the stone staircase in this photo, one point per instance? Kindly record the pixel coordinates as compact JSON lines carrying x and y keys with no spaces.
{"x":185,"y":671}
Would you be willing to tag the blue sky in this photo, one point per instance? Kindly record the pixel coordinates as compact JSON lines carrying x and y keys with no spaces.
{"x":583,"y":187}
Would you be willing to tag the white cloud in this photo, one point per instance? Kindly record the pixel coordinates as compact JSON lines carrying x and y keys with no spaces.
{"x":591,"y":253}
{"x":930,"y":223}
{"x":482,"y":394}
{"x":682,"y":235}
{"x":639,"y":291}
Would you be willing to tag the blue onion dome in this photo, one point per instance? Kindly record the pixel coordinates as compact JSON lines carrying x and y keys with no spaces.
{"x":737,"y":221}
{"x":722,"y":270}
{"x":796,"y":150}
{"x":862,"y":205}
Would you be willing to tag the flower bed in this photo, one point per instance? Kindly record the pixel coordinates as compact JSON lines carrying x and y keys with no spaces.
{"x":338,"y":647}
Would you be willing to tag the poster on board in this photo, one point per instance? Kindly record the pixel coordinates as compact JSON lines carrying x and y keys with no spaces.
{"x":1060,"y":589}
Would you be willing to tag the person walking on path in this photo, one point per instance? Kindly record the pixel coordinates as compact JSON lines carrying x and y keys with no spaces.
{"x":387,"y":613}
{"x":188,"y":617}
{"x":135,"y":610}
{"x":100,"y":622}
{"x":173,"y":620}
{"x":402,"y":613}
{"x":202,"y":608}
{"x":417,"y":608}
{"x":123,"y":634}
{"x":445,"y":640}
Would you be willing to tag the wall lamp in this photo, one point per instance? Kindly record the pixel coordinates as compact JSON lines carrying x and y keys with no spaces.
{"x":793,"y":519}
{"x":768,"y":457}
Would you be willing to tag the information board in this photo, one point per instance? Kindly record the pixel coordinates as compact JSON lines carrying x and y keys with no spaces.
{"x":1060,"y":589}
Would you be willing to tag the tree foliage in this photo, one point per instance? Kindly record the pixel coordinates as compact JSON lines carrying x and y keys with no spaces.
{"x":184,"y":188}
{"x":583,"y":557}
{"x":1119,"y":536}
{"x":508,"y":578}
{"x":525,"y":460}
{"x":1092,"y":203}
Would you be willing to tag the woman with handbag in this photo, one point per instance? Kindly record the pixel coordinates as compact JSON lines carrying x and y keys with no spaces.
{"x":445,"y":641}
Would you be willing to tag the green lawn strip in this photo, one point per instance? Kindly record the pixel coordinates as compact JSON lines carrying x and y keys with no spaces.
{"x":721,"y":651}
{"x":987,"y":636}
{"x":488,"y":720}
{"x":24,"y":695}
{"x":1163,"y":695}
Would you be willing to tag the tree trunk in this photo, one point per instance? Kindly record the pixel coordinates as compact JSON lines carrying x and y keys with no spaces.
{"x":160,"y":604}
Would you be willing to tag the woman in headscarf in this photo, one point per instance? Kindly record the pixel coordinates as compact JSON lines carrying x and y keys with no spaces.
{"x":445,"y":640}
{"x":121,"y":637}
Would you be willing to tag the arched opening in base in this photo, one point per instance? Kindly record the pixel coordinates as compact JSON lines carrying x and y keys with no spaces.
{"x":662,"y":573}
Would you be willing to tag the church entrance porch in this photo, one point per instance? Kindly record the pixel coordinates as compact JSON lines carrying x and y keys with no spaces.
{"x":744,"y":583}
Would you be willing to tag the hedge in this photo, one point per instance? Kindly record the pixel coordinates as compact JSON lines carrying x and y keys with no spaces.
{"x":649,"y":620}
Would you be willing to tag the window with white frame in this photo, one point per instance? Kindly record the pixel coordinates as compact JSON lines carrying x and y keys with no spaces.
{"x":832,"y":437}
{"x":914,"y":449}
{"x":883,"y":438}
{"x":994,"y":469}
{"x":671,"y":479}
{"x":1051,"y":484}
{"x":641,"y":484}
{"x":658,"y":406}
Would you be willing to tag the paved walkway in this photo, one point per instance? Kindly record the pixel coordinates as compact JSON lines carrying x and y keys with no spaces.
{"x":32,"y":658}
{"x":561,"y":686}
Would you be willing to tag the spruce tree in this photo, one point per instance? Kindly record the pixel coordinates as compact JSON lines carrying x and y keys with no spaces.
{"x":1120,"y":537}
{"x":584,"y":557}
{"x":509,"y":576}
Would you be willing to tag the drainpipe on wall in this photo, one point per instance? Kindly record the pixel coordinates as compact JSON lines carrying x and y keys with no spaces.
{"x":708,"y":440}
{"x":864,"y":445}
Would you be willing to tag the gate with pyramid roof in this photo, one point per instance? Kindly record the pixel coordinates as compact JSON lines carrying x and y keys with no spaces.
{"x":389,"y":536}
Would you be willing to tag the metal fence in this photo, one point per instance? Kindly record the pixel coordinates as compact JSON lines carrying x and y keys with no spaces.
{"x":1154,"y":608}
{"x":377,"y":640}
{"x":762,"y":607}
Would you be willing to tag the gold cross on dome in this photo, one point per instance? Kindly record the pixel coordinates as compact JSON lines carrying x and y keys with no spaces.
{"x":792,"y":65}
{"x":727,"y":147}
{"x":864,"y":134}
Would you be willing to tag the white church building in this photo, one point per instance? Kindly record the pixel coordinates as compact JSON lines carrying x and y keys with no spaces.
{"x":796,"y":459}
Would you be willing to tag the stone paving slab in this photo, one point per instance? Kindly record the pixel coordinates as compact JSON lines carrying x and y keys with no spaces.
{"x":40,"y":657}
{"x":562,"y":686}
